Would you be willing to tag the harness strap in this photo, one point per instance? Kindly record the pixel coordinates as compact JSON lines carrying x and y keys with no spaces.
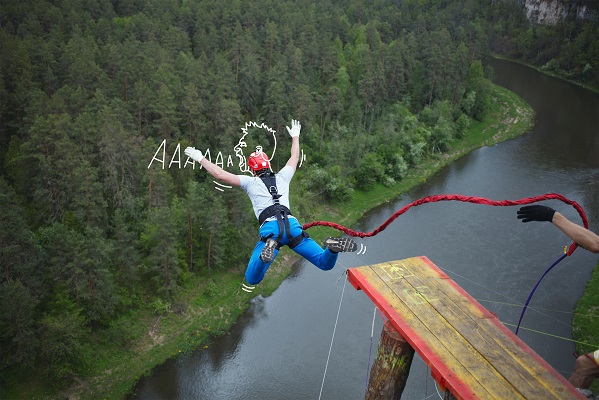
{"x":283,"y":223}
{"x":272,"y":211}
{"x":280,"y":212}
{"x":292,"y":243}
{"x":284,"y":227}
{"x":298,"y":239}
{"x":265,"y":238}
{"x":270,"y":181}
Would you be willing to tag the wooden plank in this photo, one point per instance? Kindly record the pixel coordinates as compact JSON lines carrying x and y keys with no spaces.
{"x":511,"y":360}
{"x":442,"y":312}
{"x":436,"y":343}
{"x":466,"y":347}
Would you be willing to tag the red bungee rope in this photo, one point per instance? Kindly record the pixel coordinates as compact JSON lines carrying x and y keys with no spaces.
{"x":457,"y":197}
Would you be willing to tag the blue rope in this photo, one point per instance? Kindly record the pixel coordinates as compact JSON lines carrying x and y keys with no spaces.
{"x":535,"y":288}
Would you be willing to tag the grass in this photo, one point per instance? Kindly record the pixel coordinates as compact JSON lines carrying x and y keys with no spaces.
{"x":212,"y":305}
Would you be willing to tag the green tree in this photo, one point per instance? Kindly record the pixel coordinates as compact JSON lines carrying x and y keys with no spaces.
{"x":126,"y":257}
{"x":330,"y":108}
{"x":395,"y":69}
{"x":461,"y":66}
{"x":62,"y":331}
{"x":209,"y":226}
{"x":140,"y":106}
{"x":165,"y":107}
{"x":120,"y":148}
{"x":18,"y":320}
{"x":369,"y":171}
{"x":244,"y":59}
{"x":481,"y":88}
{"x":80,"y":62}
{"x":276,"y":98}
{"x":224,"y":111}
{"x":194,"y":112}
{"x":86,"y":206}
{"x":98,"y":297}
{"x":19,"y":254}
{"x":56,"y":157}
{"x":160,"y":241}
{"x":123,"y":66}
{"x":271,"y":44}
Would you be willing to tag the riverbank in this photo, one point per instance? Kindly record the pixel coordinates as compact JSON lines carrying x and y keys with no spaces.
{"x":546,"y":71}
{"x":208,"y":308}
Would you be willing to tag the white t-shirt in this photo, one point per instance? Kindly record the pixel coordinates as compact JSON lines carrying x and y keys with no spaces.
{"x":258,"y":193}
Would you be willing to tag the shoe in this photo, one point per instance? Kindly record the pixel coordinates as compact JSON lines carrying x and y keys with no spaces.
{"x":338,"y":245}
{"x":268,"y":251}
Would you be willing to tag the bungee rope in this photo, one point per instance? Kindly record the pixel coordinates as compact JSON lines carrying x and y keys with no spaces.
{"x":457,"y":197}
{"x":475,"y":200}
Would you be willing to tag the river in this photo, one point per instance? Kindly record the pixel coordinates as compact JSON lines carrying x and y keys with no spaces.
{"x":279,"y":347}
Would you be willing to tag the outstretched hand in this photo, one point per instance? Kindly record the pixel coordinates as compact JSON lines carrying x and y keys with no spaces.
{"x":194,"y":154}
{"x":294,"y":131}
{"x":536,"y":213}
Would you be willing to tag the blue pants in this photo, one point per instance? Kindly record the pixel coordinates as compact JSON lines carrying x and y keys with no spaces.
{"x":308,"y":248}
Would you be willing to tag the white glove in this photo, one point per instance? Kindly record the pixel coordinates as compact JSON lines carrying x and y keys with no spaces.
{"x":194,"y":154}
{"x":295,"y":128}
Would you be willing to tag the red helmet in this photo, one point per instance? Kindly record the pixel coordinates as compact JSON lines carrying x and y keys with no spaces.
{"x":258,"y":160}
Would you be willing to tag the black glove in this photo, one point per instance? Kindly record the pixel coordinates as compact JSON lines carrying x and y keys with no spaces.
{"x":536,"y":213}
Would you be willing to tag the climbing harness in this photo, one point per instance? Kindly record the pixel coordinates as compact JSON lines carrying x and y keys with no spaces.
{"x":476,"y":200}
{"x":280,"y":212}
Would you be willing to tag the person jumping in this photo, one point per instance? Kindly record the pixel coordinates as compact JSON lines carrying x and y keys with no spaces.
{"x":269,"y":194}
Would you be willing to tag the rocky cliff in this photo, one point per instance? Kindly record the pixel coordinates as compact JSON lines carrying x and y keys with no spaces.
{"x":550,"y":12}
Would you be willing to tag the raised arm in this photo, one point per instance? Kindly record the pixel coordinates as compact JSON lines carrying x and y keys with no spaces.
{"x":294,"y":131}
{"x":213,"y":169}
{"x":584,"y":237}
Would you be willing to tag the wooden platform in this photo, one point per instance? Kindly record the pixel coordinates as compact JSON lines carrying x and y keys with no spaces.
{"x":468,"y":350}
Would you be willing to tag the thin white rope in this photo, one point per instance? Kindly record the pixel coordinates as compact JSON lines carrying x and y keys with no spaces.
{"x":370,"y":351}
{"x":502,"y":303}
{"x":505,"y":296}
{"x":441,"y":397}
{"x":426,"y":374}
{"x":554,"y":336}
{"x":332,"y":338}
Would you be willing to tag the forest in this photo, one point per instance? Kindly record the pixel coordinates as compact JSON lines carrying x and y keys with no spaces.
{"x":94,"y":227}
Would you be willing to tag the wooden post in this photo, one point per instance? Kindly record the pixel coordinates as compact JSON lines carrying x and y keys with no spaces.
{"x":391,"y":367}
